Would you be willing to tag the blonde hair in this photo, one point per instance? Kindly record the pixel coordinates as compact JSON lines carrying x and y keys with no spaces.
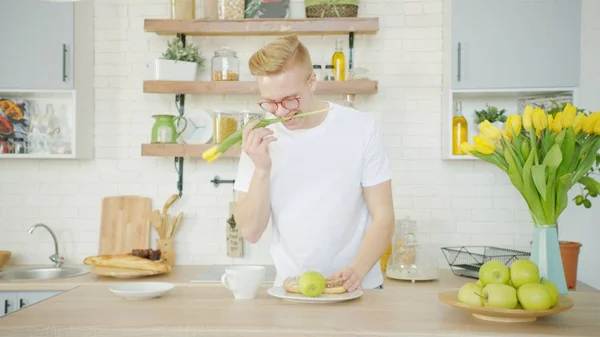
{"x":279,"y":55}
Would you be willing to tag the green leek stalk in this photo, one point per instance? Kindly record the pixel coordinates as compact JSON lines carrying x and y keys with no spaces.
{"x":235,"y":139}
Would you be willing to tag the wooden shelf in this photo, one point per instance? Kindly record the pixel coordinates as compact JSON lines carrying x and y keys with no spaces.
{"x":245,"y":27}
{"x":250,"y":88}
{"x":184,"y":150}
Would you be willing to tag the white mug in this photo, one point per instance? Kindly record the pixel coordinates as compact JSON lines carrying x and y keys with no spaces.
{"x":243,"y":281}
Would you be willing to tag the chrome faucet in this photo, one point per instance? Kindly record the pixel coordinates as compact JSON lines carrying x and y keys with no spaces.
{"x":58,"y":261}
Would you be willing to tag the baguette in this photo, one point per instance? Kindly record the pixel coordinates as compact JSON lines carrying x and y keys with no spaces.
{"x":332,"y":285}
{"x":127,"y":261}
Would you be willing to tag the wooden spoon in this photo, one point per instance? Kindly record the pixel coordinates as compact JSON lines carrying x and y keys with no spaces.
{"x":156,"y":222}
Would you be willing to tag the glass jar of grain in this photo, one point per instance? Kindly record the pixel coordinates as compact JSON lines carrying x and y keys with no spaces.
{"x":225,"y":65}
{"x":224,"y":124}
{"x":231,"y":9}
{"x":183,"y":9}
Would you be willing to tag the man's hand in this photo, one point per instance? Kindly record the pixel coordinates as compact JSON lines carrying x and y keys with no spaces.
{"x":352,"y":279}
{"x":255,"y":143}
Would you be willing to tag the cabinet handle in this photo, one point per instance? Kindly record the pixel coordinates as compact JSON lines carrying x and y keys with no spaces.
{"x":6,"y":305}
{"x":459,"y":61}
{"x":64,"y":62}
{"x":21,"y":303}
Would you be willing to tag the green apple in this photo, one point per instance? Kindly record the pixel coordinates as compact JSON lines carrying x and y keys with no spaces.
{"x":470,"y":293}
{"x":499,"y":295}
{"x":552,"y":290}
{"x":534,"y":296}
{"x":479,"y":282}
{"x":312,"y":284}
{"x":524,"y":272}
{"x":494,"y":271}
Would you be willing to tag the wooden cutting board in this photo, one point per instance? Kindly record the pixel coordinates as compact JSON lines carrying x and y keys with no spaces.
{"x":125,"y":224}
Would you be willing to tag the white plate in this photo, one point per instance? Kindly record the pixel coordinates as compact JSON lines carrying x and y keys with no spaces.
{"x":280,"y":292}
{"x":199,"y":128}
{"x":141,"y":290}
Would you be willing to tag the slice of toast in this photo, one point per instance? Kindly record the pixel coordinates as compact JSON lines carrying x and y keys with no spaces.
{"x":126,"y":261}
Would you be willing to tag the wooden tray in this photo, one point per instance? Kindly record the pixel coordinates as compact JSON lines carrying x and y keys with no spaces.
{"x":504,"y":315}
{"x":122,"y":272}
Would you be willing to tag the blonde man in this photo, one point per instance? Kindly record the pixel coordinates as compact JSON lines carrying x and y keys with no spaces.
{"x":324,"y":180}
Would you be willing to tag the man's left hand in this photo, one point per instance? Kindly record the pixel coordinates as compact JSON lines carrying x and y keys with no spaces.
{"x":352,"y":279}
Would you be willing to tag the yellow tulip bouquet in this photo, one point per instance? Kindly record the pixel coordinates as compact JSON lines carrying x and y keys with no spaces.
{"x":544,"y":155}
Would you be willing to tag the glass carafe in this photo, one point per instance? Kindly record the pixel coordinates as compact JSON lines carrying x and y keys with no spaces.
{"x":409,"y":261}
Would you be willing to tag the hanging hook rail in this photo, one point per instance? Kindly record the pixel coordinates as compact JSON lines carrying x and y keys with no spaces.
{"x":217,"y":181}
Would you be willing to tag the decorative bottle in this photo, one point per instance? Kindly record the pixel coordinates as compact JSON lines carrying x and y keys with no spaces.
{"x":459,"y":130}
{"x":339,"y":61}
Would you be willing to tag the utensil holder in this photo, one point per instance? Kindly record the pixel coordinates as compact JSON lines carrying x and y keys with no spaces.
{"x":167,"y":252}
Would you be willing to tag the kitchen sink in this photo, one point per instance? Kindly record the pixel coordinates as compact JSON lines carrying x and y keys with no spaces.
{"x":42,"y":273}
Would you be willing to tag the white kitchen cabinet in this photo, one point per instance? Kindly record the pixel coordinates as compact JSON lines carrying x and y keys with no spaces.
{"x":14,"y":300}
{"x":514,"y":44}
{"x":37,"y":42}
{"x":47,"y":61}
{"x":8,"y":302}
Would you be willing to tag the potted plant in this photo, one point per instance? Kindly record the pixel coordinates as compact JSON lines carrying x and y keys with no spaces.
{"x":492,"y":115}
{"x":179,"y":62}
{"x":544,"y":156}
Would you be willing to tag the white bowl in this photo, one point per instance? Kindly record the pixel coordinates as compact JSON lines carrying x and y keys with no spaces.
{"x":141,"y":290}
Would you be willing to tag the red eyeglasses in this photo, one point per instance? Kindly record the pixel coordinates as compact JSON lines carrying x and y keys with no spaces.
{"x":290,"y":103}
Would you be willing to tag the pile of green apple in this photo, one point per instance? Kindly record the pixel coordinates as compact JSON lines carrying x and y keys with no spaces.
{"x":517,"y":287}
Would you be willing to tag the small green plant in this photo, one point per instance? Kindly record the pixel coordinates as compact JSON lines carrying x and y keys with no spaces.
{"x":491,"y":114}
{"x":176,"y":51}
{"x":555,"y":108}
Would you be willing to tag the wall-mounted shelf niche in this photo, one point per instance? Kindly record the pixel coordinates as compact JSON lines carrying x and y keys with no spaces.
{"x":514,"y":101}
{"x":251,"y":88}
{"x":245,"y":27}
{"x":184,"y":150}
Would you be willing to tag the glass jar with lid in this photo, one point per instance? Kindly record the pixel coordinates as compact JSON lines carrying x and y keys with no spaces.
{"x":225,"y":65}
{"x":247,"y":115}
{"x":225,"y":123}
{"x":408,"y":260}
{"x":231,"y":9}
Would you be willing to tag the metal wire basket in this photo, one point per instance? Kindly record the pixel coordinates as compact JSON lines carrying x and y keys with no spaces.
{"x":466,"y":260}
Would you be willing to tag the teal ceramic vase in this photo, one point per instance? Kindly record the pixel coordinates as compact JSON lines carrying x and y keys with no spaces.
{"x":546,"y":255}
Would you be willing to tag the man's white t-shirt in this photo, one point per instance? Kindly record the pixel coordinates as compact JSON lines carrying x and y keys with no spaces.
{"x":318,"y":212}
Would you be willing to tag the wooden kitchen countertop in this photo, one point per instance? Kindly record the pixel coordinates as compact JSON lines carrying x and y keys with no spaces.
{"x":182,"y":275}
{"x":88,"y":308}
{"x":408,"y":310}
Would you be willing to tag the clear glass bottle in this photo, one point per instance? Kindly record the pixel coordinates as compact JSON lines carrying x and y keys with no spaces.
{"x":459,"y":130}
{"x":338,"y":60}
{"x":328,"y":74}
{"x":225,"y":65}
{"x":409,"y":261}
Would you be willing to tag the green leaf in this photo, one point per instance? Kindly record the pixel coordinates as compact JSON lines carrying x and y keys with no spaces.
{"x":514,"y":171}
{"x":562,"y":198}
{"x":549,"y":203}
{"x":529,"y":190}
{"x":525,"y":149}
{"x":590,"y":184}
{"x":567,"y":149}
{"x":553,"y":157}
{"x":492,"y":159}
{"x":538,"y":173}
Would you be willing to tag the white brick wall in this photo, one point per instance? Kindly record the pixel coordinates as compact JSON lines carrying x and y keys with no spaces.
{"x":455,"y":203}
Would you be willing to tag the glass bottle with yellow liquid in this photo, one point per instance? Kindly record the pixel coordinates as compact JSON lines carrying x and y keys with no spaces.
{"x":459,"y":130}
{"x":339,"y":62}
